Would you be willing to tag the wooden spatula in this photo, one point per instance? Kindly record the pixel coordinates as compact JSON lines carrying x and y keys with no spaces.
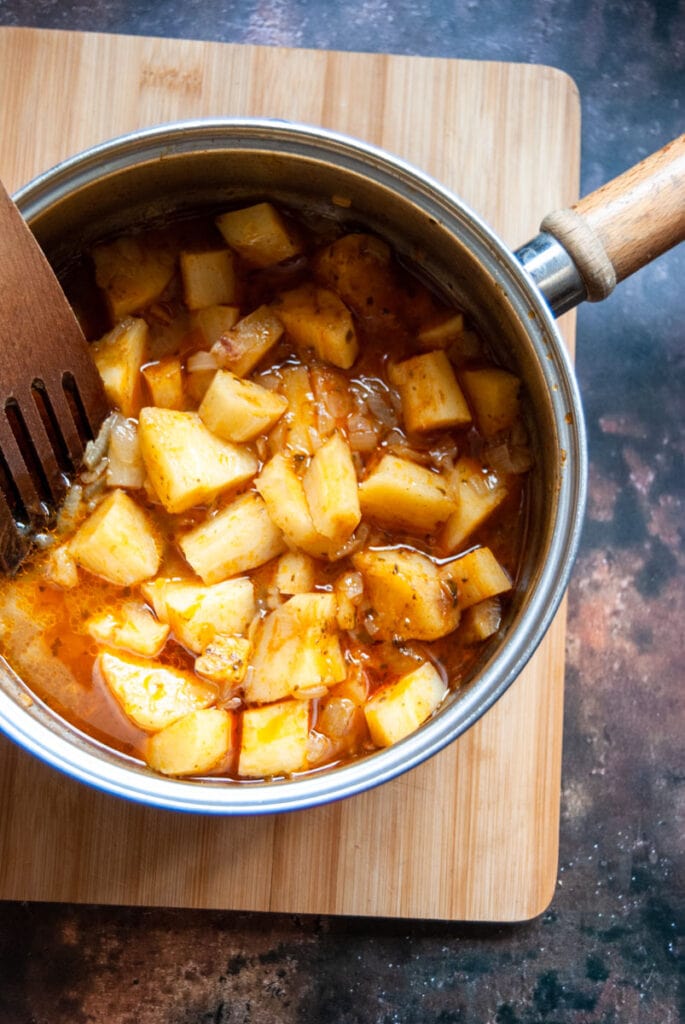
{"x":52,"y":397}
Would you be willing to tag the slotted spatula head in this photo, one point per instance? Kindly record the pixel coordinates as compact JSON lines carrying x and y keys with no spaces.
{"x":52,"y":398}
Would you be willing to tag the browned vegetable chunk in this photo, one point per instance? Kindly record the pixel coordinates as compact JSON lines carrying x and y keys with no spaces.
{"x":409,"y":596}
{"x":316,"y":318}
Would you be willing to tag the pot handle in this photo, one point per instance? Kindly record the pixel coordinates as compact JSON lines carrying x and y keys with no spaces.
{"x":626,"y":223}
{"x":614,"y":231}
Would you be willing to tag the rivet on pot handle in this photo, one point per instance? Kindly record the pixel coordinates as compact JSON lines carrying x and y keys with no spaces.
{"x":583,"y":252}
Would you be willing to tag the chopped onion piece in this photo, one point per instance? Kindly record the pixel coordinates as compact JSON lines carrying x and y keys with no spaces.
{"x":310,"y":692}
{"x":379,"y":406}
{"x":271,"y":380}
{"x":351,"y":584}
{"x":337,"y":717}
{"x":96,"y":448}
{"x":443,"y":458}
{"x":370,"y":624}
{"x":44,"y":540}
{"x":330,"y":390}
{"x":484,"y":483}
{"x":94,"y":489}
{"x":319,"y":748}
{"x":94,"y":474}
{"x":201,"y":361}
{"x":325,"y":422}
{"x":509,"y":458}
{"x":363,"y":442}
{"x":126,"y":467}
{"x":70,"y":509}
{"x":362,"y":433}
{"x":356,"y":541}
{"x":405,"y":451}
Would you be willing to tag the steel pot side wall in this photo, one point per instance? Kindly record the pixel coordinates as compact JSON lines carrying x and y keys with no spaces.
{"x":172,"y":171}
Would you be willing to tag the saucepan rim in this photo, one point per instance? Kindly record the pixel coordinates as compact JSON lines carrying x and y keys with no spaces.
{"x":39,"y":730}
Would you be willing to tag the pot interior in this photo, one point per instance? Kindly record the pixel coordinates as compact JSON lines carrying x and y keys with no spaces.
{"x":182,"y":171}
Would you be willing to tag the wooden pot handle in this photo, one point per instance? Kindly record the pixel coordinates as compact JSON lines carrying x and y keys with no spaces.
{"x":626,"y":223}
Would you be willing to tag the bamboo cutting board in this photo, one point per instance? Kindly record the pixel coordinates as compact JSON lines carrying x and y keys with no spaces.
{"x":472,"y":834}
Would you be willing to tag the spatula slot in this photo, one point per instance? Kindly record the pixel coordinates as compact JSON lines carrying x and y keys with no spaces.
{"x":13,"y":500}
{"x":53,"y":429}
{"x":15,"y":542}
{"x":32,"y":462}
{"x":78,"y":408}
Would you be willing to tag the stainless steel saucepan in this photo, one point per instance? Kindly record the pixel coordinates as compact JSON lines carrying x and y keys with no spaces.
{"x":167,"y":171}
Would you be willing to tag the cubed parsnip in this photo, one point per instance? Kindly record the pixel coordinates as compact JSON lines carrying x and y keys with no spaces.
{"x":399,"y":708}
{"x":297,"y":430}
{"x":441,"y":331}
{"x":401,"y":494}
{"x":477,"y":492}
{"x":283,"y":492}
{"x":480,"y":621}
{"x":239,"y":410}
{"x":297,"y":649}
{"x":165,"y":383}
{"x":196,"y":613}
{"x":330,"y":486}
{"x":408,"y":596}
{"x":212,"y":322}
{"x":358,"y":267}
{"x":243,"y":346}
{"x":209,"y":278}
{"x":153,"y":695}
{"x":274,"y":739}
{"x":259,"y":234}
{"x":194,"y":745}
{"x":240,"y":537}
{"x":430,"y":394}
{"x":478,"y":576}
{"x":117,"y":542}
{"x":119,"y":356}
{"x":494,"y":395}
{"x":186,"y":463}
{"x":132,"y":273}
{"x":131,"y":627}
{"x":225,"y":661}
{"x":295,"y":573}
{"x":315,"y":318}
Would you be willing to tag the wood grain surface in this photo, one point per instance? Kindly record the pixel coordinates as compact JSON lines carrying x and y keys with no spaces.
{"x":471,"y":834}
{"x":627,"y":222}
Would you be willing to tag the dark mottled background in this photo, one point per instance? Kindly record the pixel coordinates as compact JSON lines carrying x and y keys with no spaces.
{"x":610,"y":949}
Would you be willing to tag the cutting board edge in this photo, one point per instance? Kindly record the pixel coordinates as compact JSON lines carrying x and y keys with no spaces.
{"x":525,"y":69}
{"x":522,"y":67}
